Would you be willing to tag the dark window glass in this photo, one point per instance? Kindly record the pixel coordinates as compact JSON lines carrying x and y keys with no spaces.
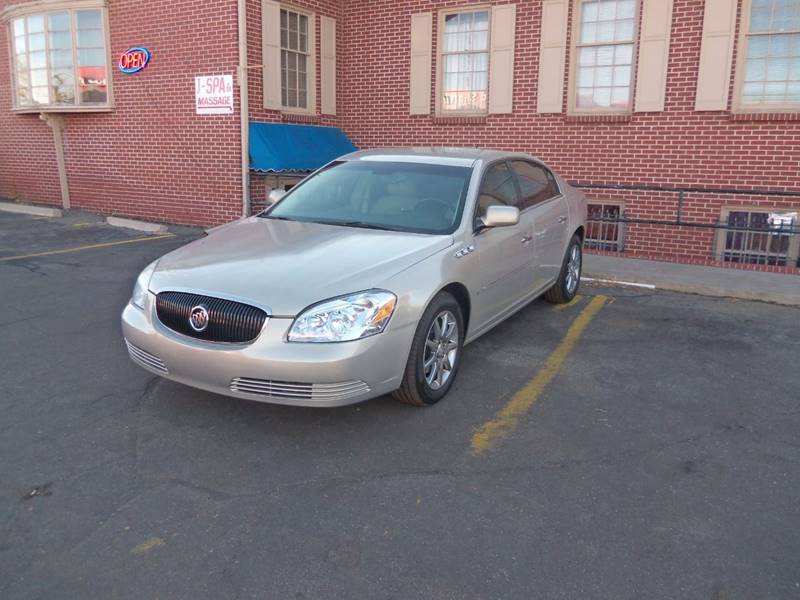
{"x":603,"y":228}
{"x":536,"y":183}
{"x":497,"y":189}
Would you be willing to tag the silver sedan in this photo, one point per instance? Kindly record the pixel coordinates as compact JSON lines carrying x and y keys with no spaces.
{"x":367,"y":278}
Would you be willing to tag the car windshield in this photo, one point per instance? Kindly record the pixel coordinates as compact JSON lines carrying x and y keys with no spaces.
{"x":398,"y":196}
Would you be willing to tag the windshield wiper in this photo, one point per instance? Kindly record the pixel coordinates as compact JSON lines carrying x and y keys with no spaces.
{"x":362,"y":225}
{"x":278,"y":218}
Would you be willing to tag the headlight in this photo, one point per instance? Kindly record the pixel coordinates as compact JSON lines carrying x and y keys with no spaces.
{"x":142,"y":282}
{"x":344,"y":319}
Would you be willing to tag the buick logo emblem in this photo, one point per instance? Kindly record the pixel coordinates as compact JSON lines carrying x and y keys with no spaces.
{"x":198,"y":318}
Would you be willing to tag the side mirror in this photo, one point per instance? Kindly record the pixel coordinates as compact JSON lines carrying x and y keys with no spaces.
{"x":275,"y":195}
{"x":501,"y":216}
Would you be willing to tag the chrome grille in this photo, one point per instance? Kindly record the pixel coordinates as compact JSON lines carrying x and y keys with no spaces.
{"x":146,"y":359}
{"x":228,"y":321}
{"x":299,"y":391}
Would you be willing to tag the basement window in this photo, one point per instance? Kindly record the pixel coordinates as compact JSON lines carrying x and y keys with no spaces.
{"x":759,"y":237}
{"x":60,"y":58}
{"x":604,"y":231}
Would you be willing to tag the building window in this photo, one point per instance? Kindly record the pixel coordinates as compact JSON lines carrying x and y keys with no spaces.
{"x":604,"y":229}
{"x":464,"y":62}
{"x":295,"y":60}
{"x":769,"y":70}
{"x":60,"y":60}
{"x":603,"y":48}
{"x":759,"y":237}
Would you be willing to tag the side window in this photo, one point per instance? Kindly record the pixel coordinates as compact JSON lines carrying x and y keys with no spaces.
{"x":497,"y":188}
{"x":536,"y":183}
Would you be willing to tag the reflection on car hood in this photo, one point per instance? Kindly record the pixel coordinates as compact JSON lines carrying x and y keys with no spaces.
{"x":287,"y":266}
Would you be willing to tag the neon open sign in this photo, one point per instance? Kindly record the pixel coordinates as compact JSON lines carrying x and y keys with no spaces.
{"x":134,"y":60}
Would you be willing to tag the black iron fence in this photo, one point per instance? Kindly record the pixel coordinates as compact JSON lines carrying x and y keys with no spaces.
{"x":752,"y":235}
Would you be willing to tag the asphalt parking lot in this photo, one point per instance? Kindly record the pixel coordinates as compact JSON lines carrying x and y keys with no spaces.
{"x":630,"y":445}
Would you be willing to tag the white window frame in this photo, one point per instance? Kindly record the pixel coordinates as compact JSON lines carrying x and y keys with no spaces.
{"x":43,"y":8}
{"x":440,"y":54}
{"x":311,"y":62}
{"x":720,"y":241}
{"x":741,"y":65}
{"x":576,"y":45}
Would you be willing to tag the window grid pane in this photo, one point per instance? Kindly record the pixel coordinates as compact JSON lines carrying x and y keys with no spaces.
{"x":772,"y":61}
{"x":465,"y":59}
{"x":772,"y":69}
{"x":37,"y":60}
{"x":44,"y":46}
{"x":605,"y":54}
{"x":775,"y":16}
{"x":294,"y":59}
{"x":604,"y":76}
{"x":90,"y":43}
{"x":604,"y":21}
{"x":62,"y":76}
{"x":21,"y":63}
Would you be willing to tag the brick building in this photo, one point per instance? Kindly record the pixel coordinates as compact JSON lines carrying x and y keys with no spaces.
{"x":679,"y":118}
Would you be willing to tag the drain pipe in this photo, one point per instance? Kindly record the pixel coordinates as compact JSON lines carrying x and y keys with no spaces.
{"x":244,"y":107}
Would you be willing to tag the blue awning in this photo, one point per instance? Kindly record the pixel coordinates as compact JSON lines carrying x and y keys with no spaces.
{"x":280,"y":148}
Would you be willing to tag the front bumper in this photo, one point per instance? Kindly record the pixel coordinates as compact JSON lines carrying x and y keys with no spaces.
{"x":270,"y":369}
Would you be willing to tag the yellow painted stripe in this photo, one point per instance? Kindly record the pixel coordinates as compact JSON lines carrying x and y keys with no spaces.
{"x":569,"y":304}
{"x":147,"y":545}
{"x":505,"y":421}
{"x":90,"y":247}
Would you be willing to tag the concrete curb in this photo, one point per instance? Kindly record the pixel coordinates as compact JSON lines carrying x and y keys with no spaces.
{"x":700,"y":290}
{"x":137,"y":225}
{"x":27,"y":209}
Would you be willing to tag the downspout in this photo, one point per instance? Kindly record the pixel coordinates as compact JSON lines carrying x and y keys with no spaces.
{"x":56,"y":123}
{"x":244,"y":107}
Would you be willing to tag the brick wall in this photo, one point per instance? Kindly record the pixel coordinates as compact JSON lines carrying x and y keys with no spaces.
{"x":328,"y":8}
{"x":152,"y":157}
{"x":679,"y":147}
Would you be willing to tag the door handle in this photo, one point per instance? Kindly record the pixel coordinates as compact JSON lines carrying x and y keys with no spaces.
{"x":526,"y":239}
{"x":562,"y":219}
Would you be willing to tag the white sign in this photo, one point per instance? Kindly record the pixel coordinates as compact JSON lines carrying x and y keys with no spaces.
{"x":213,"y":94}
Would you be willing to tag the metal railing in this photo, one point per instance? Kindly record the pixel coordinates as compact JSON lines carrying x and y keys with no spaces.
{"x":759,"y":235}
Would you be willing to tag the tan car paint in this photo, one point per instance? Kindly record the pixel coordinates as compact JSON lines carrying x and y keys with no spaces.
{"x":286,"y":266}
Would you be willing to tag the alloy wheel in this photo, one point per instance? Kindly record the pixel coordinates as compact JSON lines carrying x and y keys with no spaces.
{"x":573,"y":269}
{"x":441,"y":350}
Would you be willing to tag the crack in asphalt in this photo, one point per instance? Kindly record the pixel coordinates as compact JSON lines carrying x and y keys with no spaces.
{"x":133,"y":439}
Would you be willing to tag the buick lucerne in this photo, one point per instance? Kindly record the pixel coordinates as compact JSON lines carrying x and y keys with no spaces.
{"x":367,"y":278}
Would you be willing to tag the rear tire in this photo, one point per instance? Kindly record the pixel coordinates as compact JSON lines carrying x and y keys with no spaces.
{"x":435,"y":353}
{"x":569,"y":279}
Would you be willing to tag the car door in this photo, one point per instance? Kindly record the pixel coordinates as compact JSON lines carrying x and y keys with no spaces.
{"x":504,"y":253}
{"x":543,"y":203}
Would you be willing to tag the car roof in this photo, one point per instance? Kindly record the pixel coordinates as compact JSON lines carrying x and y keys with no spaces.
{"x":434,"y":155}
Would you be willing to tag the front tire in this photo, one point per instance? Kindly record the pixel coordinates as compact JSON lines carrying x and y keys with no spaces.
{"x":569,"y":279}
{"x":435,"y":353}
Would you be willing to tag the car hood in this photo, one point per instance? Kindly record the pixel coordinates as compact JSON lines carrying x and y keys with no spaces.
{"x":286,"y":266}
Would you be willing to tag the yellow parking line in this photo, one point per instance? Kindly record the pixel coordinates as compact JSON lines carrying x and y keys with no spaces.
{"x":569,"y":304}
{"x":90,"y":247}
{"x":505,"y":421}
